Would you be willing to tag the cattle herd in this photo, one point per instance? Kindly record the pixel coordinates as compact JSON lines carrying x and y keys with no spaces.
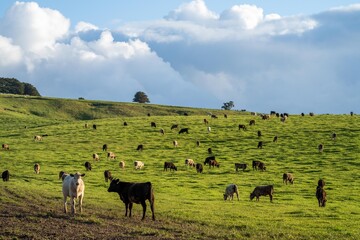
{"x":132,"y":192}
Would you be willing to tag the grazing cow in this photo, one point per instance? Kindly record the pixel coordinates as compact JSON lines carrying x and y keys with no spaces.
{"x":288,"y":177}
{"x":184,"y":130}
{"x":111,"y":155}
{"x":333,"y":136}
{"x":311,"y":114}
{"x":302,"y":114}
{"x":107,"y":175}
{"x":213,"y":116}
{"x":189,"y":162}
{"x":262,"y":191}
{"x":86,"y":125}
{"x":174,"y":126}
{"x":95,"y":157}
{"x":198,"y":143}
{"x":206,"y":121}
{"x":199,"y":168}
{"x":62,"y":175}
{"x":5,"y":175}
{"x":225,"y":115}
{"x":259,"y":133}
{"x":213,"y":163}
{"x":87,"y":166}
{"x":208,"y":159}
{"x":265,"y":117}
{"x":242,"y":126}
{"x":94,"y":126}
{"x":321,"y":147}
{"x":275,"y":139}
{"x":169,"y":165}
{"x":321,"y":196}
{"x":138,"y":165}
{"x":125,"y":124}
{"x":242,"y":166}
{"x":105,"y":147}
{"x":209,"y":129}
{"x":130,"y":193}
{"x":229,"y":192}
{"x":140,"y":147}
{"x":73,"y":187}
{"x":256,"y":165}
{"x":148,"y":114}
{"x":153,"y":124}
{"x":260,"y":144}
{"x":38,"y":138}
{"x":122,"y":164}
{"x":175,"y":143}
{"x":210,"y":151}
{"x":283,"y":119}
{"x":5,"y":147}
{"x":162,"y":131}
{"x":37,"y":168}
{"x":252,"y":113}
{"x":252,"y":122}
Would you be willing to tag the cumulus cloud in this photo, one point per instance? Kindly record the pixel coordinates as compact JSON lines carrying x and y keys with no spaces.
{"x":191,"y":57}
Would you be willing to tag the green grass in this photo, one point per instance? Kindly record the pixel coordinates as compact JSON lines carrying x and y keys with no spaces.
{"x":185,"y":199}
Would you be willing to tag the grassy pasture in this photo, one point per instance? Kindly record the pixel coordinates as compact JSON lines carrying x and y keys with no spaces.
{"x":188,"y":205}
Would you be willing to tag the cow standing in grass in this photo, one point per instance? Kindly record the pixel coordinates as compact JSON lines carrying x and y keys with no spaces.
{"x":262,"y":191}
{"x":130,"y":193}
{"x":320,"y":193}
{"x":37,"y":168}
{"x":73,"y":187}
{"x":230,"y":191}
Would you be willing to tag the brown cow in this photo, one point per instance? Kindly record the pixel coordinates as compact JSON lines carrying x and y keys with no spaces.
{"x":242,"y":166}
{"x":213,"y":163}
{"x":37,"y":168}
{"x":321,"y":196}
{"x":199,"y":168}
{"x":321,"y":147}
{"x":5,"y":147}
{"x":262,"y":191}
{"x":169,"y":165}
{"x":288,"y":177}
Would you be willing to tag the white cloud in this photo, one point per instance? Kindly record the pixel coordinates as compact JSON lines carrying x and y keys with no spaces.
{"x":84,"y":26}
{"x":248,"y":16}
{"x":10,"y":54}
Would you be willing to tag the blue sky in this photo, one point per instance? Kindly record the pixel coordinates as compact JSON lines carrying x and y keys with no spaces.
{"x":287,"y":56}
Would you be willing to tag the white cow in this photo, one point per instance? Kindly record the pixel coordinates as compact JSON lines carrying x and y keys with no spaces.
{"x":73,"y":187}
{"x":96,"y":157}
{"x":37,"y":138}
{"x":209,"y":129}
{"x":190,"y":162}
{"x":138,"y":164}
{"x":229,"y":192}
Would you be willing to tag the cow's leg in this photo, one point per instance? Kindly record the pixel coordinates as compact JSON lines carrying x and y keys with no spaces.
{"x":143,"y":204}
{"x":65,"y":208}
{"x":126,"y":209}
{"x":270,"y":197}
{"x":80,"y":202}
{"x":152,"y":209}
{"x":130,"y":208}
{"x":72,"y":201}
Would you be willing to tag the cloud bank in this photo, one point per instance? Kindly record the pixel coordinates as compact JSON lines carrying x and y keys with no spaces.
{"x":191,"y":57}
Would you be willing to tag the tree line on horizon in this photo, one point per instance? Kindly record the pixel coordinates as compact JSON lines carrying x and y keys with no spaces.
{"x":14,"y":86}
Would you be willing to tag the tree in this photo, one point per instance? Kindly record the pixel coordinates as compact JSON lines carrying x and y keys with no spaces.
{"x":14,"y":86}
{"x":141,"y":97}
{"x":228,"y":105}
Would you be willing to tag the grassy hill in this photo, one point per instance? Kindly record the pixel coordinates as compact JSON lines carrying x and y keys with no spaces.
{"x":188,"y":205}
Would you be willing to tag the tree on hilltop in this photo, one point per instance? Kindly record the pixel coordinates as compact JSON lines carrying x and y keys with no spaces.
{"x":14,"y":86}
{"x":228,"y":105}
{"x":141,"y":97}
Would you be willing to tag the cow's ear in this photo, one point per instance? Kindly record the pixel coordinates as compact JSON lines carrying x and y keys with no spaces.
{"x":72,"y":175}
{"x":82,"y":174}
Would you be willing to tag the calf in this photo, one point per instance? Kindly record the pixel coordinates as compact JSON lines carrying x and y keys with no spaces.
{"x":111,"y":155}
{"x":107,"y":175}
{"x":208,"y":159}
{"x":184,"y":130}
{"x":199,"y":168}
{"x":73,"y":187}
{"x":229,"y":192}
{"x":138,"y":165}
{"x":37,"y":168}
{"x":170,"y":165}
{"x":5,"y":147}
{"x":5,"y":175}
{"x":122,"y":164}
{"x":262,"y":191}
{"x":189,"y":162}
{"x":242,"y":166}
{"x":95,"y":157}
{"x":130,"y":193}
{"x":288,"y":177}
{"x":213,"y":163}
{"x":87,"y":166}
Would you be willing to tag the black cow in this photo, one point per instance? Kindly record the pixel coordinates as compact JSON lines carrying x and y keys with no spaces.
{"x":210,"y":151}
{"x":260,"y":144}
{"x":321,"y":196}
{"x":5,"y":175}
{"x":87,"y":166}
{"x":275,"y":139}
{"x":258,"y":165}
{"x":259,"y":133}
{"x":262,"y":191}
{"x":105,"y":147}
{"x":107,"y":175}
{"x":125,"y":124}
{"x":208,"y":159}
{"x":174,"y":126}
{"x":252,"y":122}
{"x":140,"y":147}
{"x":153,"y":124}
{"x":170,"y":165}
{"x":242,"y":126}
{"x":130,"y":193}
{"x":242,"y":166}
{"x":198,"y":143}
{"x":184,"y":130}
{"x":94,"y":126}
{"x":199,"y":168}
